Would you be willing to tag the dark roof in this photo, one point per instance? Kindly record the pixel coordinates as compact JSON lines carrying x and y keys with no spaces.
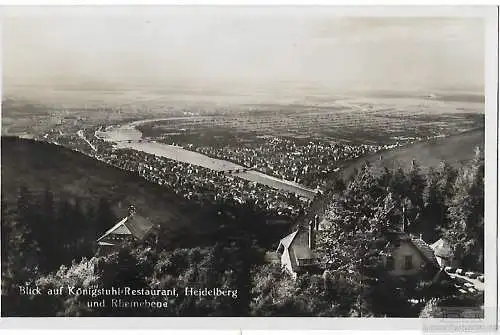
{"x":138,"y":225}
{"x":301,"y":249}
{"x":132,"y":225}
{"x":425,"y":250}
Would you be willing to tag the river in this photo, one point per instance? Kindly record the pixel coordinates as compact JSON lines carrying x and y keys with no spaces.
{"x":128,"y":136}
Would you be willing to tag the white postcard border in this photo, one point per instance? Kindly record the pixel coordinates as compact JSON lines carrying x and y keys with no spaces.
{"x":490,"y":14}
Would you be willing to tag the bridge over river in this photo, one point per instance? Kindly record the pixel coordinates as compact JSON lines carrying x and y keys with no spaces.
{"x":128,"y":136}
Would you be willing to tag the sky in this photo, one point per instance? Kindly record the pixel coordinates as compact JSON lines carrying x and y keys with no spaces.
{"x":235,"y":50}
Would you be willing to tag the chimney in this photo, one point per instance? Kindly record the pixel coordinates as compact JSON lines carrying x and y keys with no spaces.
{"x":131,"y":210}
{"x":404,"y":218}
{"x":311,"y":234}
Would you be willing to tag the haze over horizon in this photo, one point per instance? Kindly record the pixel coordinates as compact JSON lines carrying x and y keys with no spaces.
{"x":245,"y":51}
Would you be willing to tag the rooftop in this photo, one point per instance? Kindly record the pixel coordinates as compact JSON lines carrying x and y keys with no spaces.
{"x":132,"y":225}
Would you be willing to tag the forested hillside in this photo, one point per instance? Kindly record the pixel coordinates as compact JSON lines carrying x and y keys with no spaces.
{"x":57,"y":202}
{"x":444,"y":201}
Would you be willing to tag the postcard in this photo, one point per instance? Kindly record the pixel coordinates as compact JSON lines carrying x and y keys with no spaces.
{"x":319,"y":167}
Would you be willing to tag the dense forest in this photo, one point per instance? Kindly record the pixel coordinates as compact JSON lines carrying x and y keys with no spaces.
{"x":49,"y":241}
{"x":40,"y":233}
{"x":444,"y":202}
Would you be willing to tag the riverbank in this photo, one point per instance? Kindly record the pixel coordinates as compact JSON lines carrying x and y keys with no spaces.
{"x":129,"y":137}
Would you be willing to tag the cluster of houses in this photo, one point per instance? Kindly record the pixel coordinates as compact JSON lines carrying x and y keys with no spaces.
{"x":408,"y":255}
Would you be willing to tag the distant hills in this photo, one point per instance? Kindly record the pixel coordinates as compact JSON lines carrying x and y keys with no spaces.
{"x":454,"y":150}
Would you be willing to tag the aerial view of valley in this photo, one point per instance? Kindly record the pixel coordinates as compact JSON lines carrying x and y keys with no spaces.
{"x":309,"y":164}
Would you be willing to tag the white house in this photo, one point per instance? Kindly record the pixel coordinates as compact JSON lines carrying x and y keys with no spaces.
{"x":296,"y":250}
{"x":409,"y":256}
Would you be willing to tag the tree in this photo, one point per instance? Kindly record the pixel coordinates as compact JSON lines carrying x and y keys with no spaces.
{"x":46,"y":231}
{"x":446,"y":176}
{"x":78,"y":222}
{"x":78,"y":275}
{"x":20,"y":253}
{"x":129,"y":266}
{"x":89,"y":232}
{"x":466,"y":212}
{"x":416,"y":183}
{"x":399,"y":184}
{"x":105,"y":218}
{"x":434,"y":213}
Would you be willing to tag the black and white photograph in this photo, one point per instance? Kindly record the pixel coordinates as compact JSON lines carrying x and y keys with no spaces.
{"x":245,"y":161}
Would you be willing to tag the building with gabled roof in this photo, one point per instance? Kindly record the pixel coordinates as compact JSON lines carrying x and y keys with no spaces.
{"x":130,"y":228}
{"x":296,"y":250}
{"x":443,"y":252}
{"x":409,"y":255}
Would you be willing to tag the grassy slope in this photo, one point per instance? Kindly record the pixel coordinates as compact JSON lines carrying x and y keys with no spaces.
{"x":39,"y":165}
{"x":454,"y":150}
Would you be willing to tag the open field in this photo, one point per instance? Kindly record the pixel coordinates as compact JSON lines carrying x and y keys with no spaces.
{"x":376,"y":121}
{"x":307,"y":144}
{"x":346,"y":126}
{"x":376,"y":118}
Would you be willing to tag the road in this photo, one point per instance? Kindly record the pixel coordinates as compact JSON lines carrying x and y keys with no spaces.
{"x":82,"y":136}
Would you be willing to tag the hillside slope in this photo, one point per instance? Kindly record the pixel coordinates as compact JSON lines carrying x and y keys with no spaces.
{"x":39,"y":165}
{"x":453,"y":150}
